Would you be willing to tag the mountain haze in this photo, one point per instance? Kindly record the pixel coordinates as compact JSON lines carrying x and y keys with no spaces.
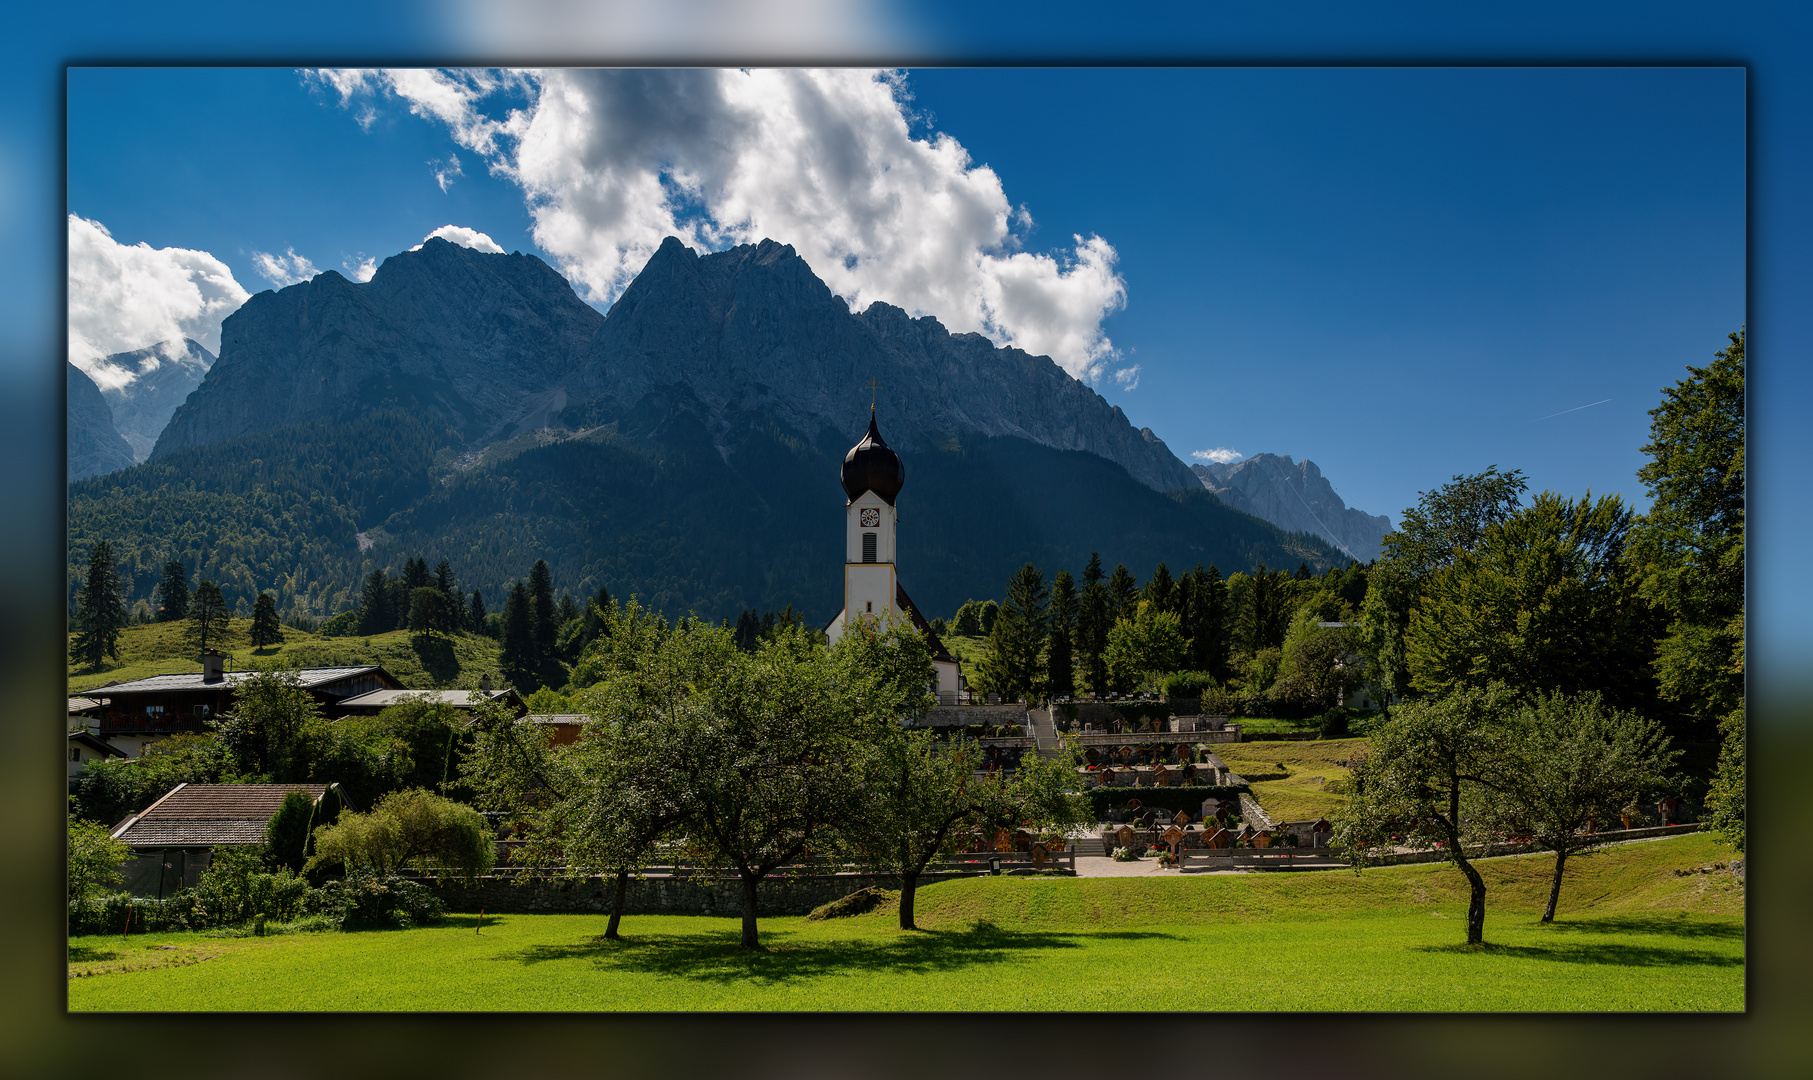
{"x":158,"y":379}
{"x":1297,"y":498}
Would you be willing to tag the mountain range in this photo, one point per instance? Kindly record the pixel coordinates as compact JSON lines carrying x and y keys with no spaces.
{"x":500,"y":344}
{"x":94,"y":444}
{"x":1295,"y":496}
{"x":684,"y":446}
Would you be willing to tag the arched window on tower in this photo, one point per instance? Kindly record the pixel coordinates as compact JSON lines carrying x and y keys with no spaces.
{"x":868,"y":547}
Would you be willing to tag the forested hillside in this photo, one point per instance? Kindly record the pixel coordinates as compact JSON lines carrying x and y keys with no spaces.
{"x":669,"y":514}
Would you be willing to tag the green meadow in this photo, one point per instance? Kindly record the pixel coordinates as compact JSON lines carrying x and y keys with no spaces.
{"x":1642,"y":927}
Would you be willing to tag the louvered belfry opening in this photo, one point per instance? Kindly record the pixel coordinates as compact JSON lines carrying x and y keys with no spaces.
{"x":868,"y":547}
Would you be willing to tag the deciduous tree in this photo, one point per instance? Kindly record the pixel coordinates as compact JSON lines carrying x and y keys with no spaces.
{"x":1575,"y":764}
{"x":1149,"y":642}
{"x":1541,"y":601}
{"x":413,"y":828}
{"x":1432,"y":779}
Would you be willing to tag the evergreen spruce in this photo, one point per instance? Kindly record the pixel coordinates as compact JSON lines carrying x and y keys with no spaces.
{"x":475,"y":615}
{"x":565,"y":610}
{"x":1162,"y":591}
{"x":101,"y":610}
{"x":1060,"y":676}
{"x":443,"y":580}
{"x":1092,"y":626}
{"x":748,"y":630}
{"x":173,"y":593}
{"x":541,"y":614}
{"x":1013,"y":665}
{"x":207,"y":617}
{"x":520,"y":656}
{"x":415,"y":574}
{"x":266,"y":629}
{"x":1123,"y":594}
{"x":374,"y":604}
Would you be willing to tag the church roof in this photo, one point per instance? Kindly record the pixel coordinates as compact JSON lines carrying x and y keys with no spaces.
{"x":872,"y":465}
{"x":905,"y":603}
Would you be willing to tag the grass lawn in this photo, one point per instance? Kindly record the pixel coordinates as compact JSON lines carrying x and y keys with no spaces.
{"x":1632,"y":936}
{"x":1291,"y":780}
{"x":420,"y":662}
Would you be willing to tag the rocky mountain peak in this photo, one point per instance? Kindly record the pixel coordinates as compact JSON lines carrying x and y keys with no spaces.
{"x":1296,"y":497}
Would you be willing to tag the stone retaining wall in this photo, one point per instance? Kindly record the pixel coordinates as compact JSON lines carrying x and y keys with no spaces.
{"x":963,"y":715}
{"x":698,"y":894}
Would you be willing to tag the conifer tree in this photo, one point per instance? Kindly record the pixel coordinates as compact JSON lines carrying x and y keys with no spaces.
{"x":374,"y":604}
{"x":443,"y":580}
{"x":1013,"y":665}
{"x":597,"y":618}
{"x":475,"y":615}
{"x":565,"y":610}
{"x":415,"y":574}
{"x":266,"y":630}
{"x":748,"y":630}
{"x":207,"y":617}
{"x":541,"y":613}
{"x":1161,"y":590}
{"x":1060,"y":677}
{"x":173,"y":593}
{"x":101,"y":610}
{"x":520,"y":658}
{"x":1123,"y":594}
{"x":1092,"y":626}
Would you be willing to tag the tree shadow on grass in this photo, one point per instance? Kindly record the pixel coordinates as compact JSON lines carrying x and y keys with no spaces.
{"x":90,"y":954}
{"x":717,"y":958}
{"x":435,"y":653}
{"x":1597,"y":953}
{"x":1671,"y":926}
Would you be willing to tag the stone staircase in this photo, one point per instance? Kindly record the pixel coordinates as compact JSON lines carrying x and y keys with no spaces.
{"x":1044,"y":732}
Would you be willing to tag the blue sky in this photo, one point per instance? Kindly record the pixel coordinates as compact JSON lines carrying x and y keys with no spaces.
{"x":1399,"y":273}
{"x":1391,"y":272}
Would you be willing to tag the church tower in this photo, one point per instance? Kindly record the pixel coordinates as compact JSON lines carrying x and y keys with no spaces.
{"x":872,"y":477}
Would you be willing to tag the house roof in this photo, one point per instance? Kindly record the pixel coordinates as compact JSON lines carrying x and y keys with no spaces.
{"x":192,"y":680}
{"x":558,"y":719}
{"x":96,"y":743}
{"x":459,"y":699}
{"x":209,"y":814}
{"x":83,"y":704}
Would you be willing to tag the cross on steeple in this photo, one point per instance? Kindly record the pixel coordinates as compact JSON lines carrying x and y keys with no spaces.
{"x":871,"y":388}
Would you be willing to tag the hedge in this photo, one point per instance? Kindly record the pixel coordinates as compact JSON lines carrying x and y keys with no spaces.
{"x":1171,"y":799}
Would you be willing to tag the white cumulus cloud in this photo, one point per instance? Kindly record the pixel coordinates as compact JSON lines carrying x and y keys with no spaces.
{"x":1221,"y":455}
{"x":129,"y":296}
{"x":361,"y":270}
{"x":465,"y":237}
{"x":285,"y":269}
{"x":611,"y":162}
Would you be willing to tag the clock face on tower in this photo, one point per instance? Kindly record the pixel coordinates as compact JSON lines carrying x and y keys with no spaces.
{"x":871,"y":517}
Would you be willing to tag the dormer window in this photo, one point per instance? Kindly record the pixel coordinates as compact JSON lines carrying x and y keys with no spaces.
{"x":868,"y":547}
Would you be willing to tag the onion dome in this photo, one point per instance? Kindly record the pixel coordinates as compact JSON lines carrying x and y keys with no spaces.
{"x":872,"y":466}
